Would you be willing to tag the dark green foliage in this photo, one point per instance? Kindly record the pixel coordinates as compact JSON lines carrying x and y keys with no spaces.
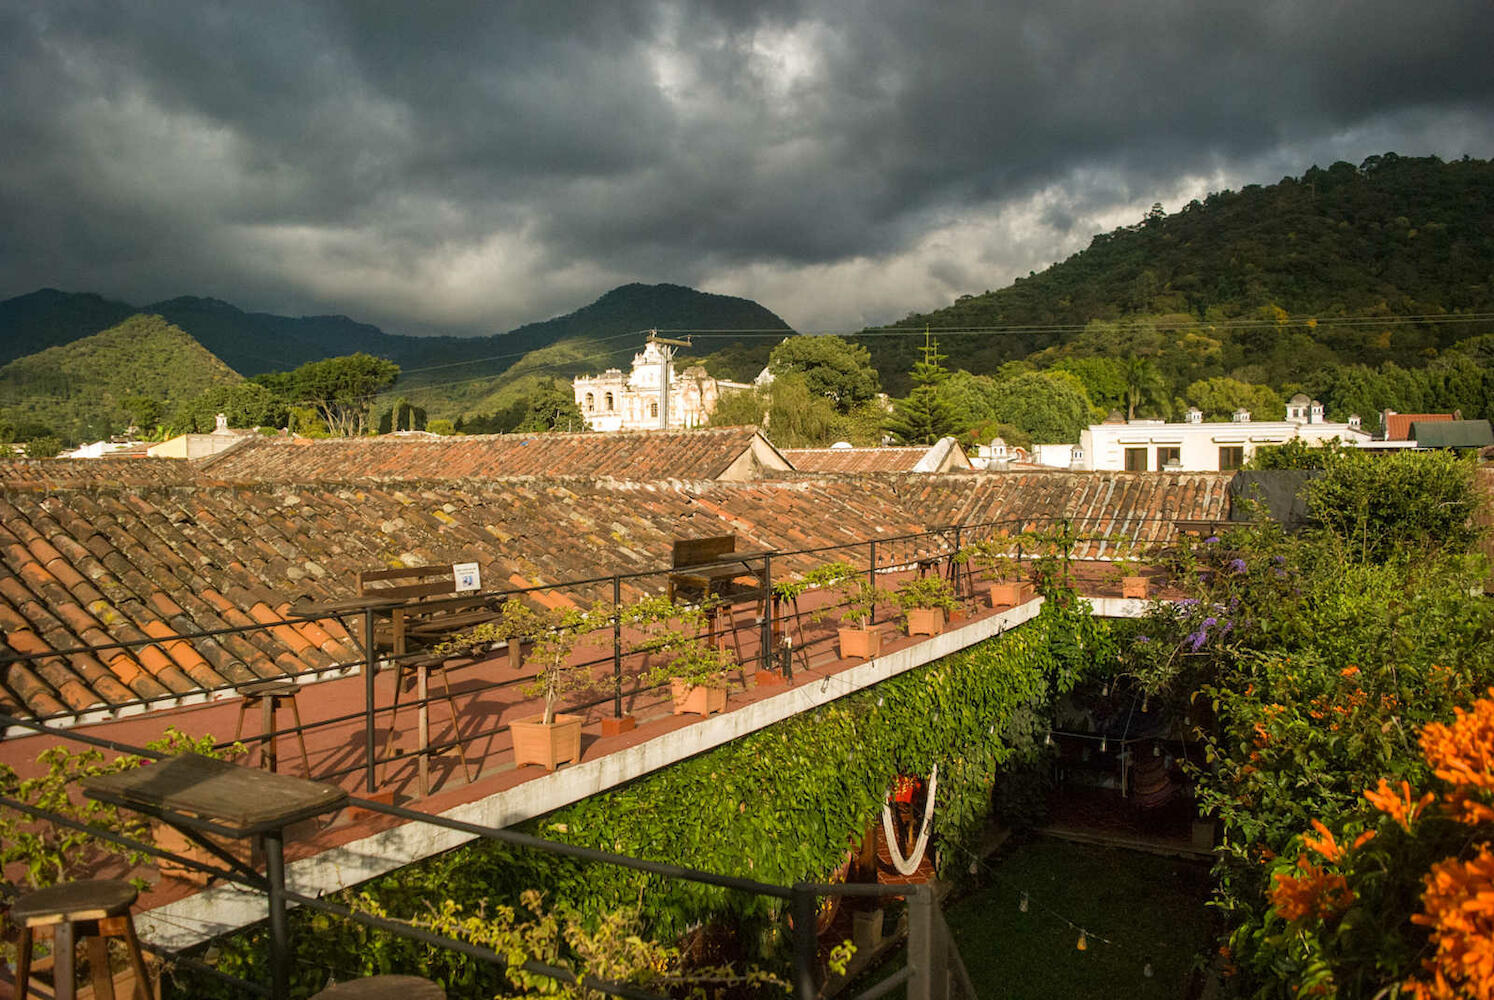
{"x":48,"y":318}
{"x":832,"y":367}
{"x":1047,"y":407}
{"x":1219,"y":398}
{"x":45,"y":446}
{"x":402,"y":416}
{"x":81,"y":389}
{"x":1377,"y":505}
{"x":340,"y":390}
{"x":245,"y":404}
{"x":545,"y":405}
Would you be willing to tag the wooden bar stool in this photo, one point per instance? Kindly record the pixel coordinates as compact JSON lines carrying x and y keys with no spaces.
{"x":421,"y":669}
{"x":383,"y":988}
{"x":270,"y":695}
{"x":93,"y":911}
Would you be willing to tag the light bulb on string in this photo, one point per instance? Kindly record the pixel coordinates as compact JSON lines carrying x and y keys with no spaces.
{"x":1048,"y":739}
{"x":1104,"y":744}
{"x":1105,"y":691}
{"x":1083,"y":943}
{"x":1156,"y":749}
{"x":1022,"y":904}
{"x":1146,"y":702}
{"x":1146,"y":970}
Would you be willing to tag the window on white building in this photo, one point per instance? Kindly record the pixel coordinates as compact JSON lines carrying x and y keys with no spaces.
{"x":1231,"y":457}
{"x":591,"y":402}
{"x":610,"y":405}
{"x":653,"y":410}
{"x":1135,"y":459}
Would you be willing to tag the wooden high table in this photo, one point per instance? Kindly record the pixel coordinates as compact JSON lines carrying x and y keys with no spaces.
{"x":203,"y":795}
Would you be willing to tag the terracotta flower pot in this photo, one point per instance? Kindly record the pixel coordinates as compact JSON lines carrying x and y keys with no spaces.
{"x":1134,"y":587}
{"x":696,"y":698}
{"x":1007,"y":594}
{"x":925,"y":621}
{"x":548,"y":746}
{"x":862,"y":643}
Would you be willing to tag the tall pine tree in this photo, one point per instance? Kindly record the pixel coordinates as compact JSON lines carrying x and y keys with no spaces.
{"x":924,"y":417}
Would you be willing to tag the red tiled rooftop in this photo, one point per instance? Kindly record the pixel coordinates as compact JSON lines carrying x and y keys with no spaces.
{"x":88,"y":567}
{"x":854,"y":459}
{"x":637,"y":455}
{"x":1398,"y":425}
{"x":47,"y":473}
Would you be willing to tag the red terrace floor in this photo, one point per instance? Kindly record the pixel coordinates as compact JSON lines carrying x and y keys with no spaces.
{"x":341,"y":745}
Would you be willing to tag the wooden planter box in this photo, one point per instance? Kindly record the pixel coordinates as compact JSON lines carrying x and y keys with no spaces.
{"x":548,"y":746}
{"x":1134,"y":587}
{"x":862,"y":643}
{"x":1007,"y":594}
{"x":696,"y":699}
{"x":925,"y":621}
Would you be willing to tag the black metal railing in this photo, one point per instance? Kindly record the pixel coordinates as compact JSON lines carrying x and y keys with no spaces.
{"x":932,"y":956}
{"x":1075,"y":540}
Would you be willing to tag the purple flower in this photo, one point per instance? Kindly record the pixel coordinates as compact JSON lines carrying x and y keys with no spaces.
{"x":1143,"y":638}
{"x":1208,"y":623}
{"x":1212,"y":540}
{"x":1237,"y":565}
{"x":1197,"y":639}
{"x":1188,"y":602}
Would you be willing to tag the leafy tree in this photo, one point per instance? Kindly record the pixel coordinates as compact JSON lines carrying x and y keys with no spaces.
{"x":402,"y":416}
{"x":1145,"y":388}
{"x":1104,"y":379}
{"x":144,"y":412}
{"x":924,"y":416}
{"x":441,"y":426}
{"x":46,"y":446}
{"x":339,"y":389}
{"x":551,"y":407}
{"x":1047,"y":406}
{"x":1219,"y":398}
{"x":245,"y":404}
{"x":832,"y":367}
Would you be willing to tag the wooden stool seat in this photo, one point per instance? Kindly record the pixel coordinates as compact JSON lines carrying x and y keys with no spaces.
{"x":383,"y":988}
{"x":271,"y":695}
{"x":421,"y":669}
{"x":94,"y":899}
{"x":92,"y":910}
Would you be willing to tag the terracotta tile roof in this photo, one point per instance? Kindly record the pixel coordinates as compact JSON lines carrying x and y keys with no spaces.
{"x":1398,"y":425}
{"x":698,"y":454}
{"x":92,"y":566}
{"x":854,"y":459}
{"x":46,"y":473}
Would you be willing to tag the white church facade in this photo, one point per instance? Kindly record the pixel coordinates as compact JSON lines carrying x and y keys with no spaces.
{"x":614,"y":401}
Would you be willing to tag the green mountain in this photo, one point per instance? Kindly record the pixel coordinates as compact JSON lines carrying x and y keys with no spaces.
{"x":255,"y":343}
{"x":1388,"y":262}
{"x":46,"y":318}
{"x":80,"y":389}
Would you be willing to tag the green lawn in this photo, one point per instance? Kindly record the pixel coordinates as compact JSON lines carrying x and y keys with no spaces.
{"x":1151,"y":907}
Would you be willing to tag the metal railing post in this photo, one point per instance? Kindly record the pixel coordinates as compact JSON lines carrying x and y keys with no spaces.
{"x":871,"y":575}
{"x":617,"y":648}
{"x":765,"y":630}
{"x":369,"y":660}
{"x":805,"y":909}
{"x":922,"y":956}
{"x":280,"y":957}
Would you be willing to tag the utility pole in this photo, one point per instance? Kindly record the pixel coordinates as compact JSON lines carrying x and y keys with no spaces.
{"x":667,"y":352}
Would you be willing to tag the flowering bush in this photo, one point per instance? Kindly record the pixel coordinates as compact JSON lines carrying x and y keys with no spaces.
{"x":1405,"y":907}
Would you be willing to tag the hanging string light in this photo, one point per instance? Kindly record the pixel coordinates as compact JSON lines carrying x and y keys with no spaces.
{"x":1083,"y":944}
{"x":1022,"y":906}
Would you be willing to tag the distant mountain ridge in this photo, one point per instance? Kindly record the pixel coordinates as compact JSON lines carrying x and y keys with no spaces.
{"x":253,"y":343}
{"x":1395,"y":237}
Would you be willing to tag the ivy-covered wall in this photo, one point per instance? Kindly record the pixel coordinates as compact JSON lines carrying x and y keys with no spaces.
{"x":780,"y":805}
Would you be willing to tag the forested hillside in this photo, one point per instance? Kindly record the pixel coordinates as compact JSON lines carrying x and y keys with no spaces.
{"x":1391,"y":262}
{"x":96,"y":386}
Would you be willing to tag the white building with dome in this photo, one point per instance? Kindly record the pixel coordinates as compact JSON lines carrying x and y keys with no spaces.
{"x":614,"y":401}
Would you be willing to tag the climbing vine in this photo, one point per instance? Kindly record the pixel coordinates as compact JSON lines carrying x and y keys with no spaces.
{"x":780,"y":805}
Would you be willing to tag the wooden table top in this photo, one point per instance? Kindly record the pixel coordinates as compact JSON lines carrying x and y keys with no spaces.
{"x":244,"y":799}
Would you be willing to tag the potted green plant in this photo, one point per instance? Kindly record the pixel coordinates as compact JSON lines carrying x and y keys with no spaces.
{"x":994,"y":556}
{"x":551,"y":738}
{"x":695,"y":668}
{"x":926,"y":602}
{"x":857,"y":636}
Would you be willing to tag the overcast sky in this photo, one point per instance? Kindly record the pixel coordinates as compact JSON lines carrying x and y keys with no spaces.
{"x":466,"y":167}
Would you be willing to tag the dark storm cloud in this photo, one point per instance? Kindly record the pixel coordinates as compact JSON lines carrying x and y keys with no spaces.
{"x":467,"y":167}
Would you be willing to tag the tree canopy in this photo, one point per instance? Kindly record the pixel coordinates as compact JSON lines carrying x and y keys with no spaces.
{"x":832,"y":367}
{"x":340,"y":390}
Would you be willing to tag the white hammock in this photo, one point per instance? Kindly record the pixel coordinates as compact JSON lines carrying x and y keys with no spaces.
{"x":909,"y":865}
